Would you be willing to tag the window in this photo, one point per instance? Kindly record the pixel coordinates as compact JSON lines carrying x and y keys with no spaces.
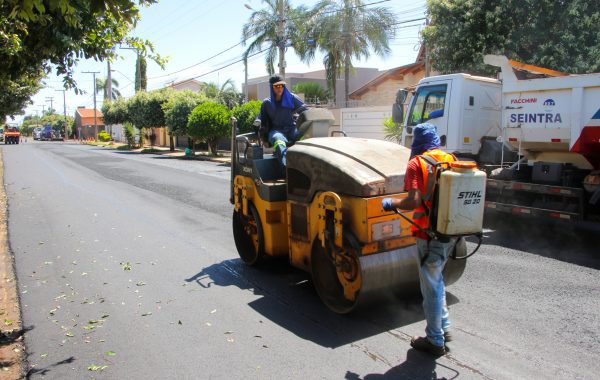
{"x":428,"y":99}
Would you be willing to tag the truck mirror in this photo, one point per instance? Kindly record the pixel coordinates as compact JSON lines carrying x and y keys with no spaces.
{"x":398,"y":106}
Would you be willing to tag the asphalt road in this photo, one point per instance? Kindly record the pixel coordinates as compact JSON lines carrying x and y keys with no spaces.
{"x":127,"y":269}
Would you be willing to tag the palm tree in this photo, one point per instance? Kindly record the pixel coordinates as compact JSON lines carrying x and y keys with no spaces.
{"x":225,"y":94}
{"x":347,"y":29}
{"x":102,"y":85}
{"x":262,"y":26}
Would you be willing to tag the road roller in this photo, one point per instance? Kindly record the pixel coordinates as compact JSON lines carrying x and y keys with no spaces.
{"x":323,"y":212}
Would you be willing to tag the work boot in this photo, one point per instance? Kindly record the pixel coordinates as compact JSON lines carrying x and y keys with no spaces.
{"x":423,"y":344}
{"x":447,"y":336}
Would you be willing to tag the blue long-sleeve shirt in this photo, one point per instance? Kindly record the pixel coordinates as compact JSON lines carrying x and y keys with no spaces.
{"x":281,"y":118}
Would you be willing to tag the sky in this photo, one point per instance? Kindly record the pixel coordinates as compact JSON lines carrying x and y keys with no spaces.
{"x":191,"y":31}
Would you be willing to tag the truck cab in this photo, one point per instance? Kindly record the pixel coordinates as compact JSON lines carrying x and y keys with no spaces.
{"x":463,"y":107}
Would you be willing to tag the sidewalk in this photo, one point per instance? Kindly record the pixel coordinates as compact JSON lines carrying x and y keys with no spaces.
{"x":223,"y":157}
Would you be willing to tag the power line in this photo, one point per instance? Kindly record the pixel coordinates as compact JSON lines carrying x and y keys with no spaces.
{"x":222,"y":67}
{"x":199,"y":63}
{"x":244,"y":40}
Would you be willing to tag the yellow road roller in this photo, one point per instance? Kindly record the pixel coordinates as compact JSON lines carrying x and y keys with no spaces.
{"x":323,"y":212}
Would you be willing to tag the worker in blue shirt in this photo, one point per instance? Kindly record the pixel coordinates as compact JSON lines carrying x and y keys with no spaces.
{"x":277,"y":115}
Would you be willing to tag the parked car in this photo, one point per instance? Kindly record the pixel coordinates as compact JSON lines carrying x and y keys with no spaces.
{"x":47,"y":133}
{"x":37,"y":132}
{"x":57,"y":136}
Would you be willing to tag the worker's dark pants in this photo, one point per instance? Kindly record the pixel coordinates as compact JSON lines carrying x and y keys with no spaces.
{"x":280,"y":139}
{"x":433,"y":288}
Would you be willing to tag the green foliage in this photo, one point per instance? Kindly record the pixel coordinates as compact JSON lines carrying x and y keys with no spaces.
{"x":246,"y":114}
{"x":103,"y":136}
{"x":115,"y":112}
{"x":209,"y":122}
{"x":102,"y":86}
{"x":312,"y":91}
{"x":561,"y":35}
{"x":226,"y":94}
{"x":262,"y":29}
{"x":393,"y":131}
{"x":145,"y":110}
{"x":178,"y":108}
{"x":347,"y":30}
{"x":140,"y":70}
{"x":37,"y":36}
{"x":129,"y":134}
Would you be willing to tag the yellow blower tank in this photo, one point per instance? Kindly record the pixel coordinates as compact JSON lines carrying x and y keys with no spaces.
{"x":461,"y":199}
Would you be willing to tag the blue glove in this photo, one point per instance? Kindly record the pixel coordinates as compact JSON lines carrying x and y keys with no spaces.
{"x":386,"y":203}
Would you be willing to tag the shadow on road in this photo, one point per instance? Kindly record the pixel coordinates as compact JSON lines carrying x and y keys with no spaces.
{"x":557,"y":240}
{"x":10,"y":337}
{"x":289,"y":300}
{"x":43,"y":371}
{"x":417,"y":366}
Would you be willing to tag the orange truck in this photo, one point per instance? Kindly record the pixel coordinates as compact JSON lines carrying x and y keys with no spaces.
{"x":12,"y":135}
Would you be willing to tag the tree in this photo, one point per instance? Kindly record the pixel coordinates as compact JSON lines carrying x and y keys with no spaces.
{"x":312,"y":91}
{"x":102,"y":86}
{"x":226,"y":94}
{"x":262,"y":26}
{"x":178,"y":108}
{"x":115,"y":112}
{"x":209,"y":122}
{"x":346,"y":30}
{"x":246,"y":114}
{"x":561,"y":35}
{"x":145,"y":110}
{"x":38,"y":36}
{"x":140,"y":70}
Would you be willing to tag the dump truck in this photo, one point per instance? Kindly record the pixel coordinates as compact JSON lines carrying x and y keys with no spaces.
{"x":323,"y":213}
{"x":12,"y":135}
{"x":535,"y":130}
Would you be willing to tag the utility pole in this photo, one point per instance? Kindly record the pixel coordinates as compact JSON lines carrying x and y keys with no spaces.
{"x":108,"y":81}
{"x":281,"y":39}
{"x":51,"y":100}
{"x":427,"y":60}
{"x":95,"y":123}
{"x":246,"y":80}
{"x":64,"y":111}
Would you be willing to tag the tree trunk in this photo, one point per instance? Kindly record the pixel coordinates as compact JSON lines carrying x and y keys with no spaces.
{"x":171,"y":143}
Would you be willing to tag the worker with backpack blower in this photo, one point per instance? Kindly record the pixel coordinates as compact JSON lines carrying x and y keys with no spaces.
{"x":419,"y":182}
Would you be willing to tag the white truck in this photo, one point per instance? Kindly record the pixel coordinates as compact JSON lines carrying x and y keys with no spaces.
{"x":539,"y":139}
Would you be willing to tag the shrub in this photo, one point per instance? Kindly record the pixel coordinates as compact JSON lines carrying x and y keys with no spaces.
{"x":209,"y":122}
{"x":129,"y":134}
{"x":393,"y":131}
{"x":246,"y":114}
{"x":103,"y":136}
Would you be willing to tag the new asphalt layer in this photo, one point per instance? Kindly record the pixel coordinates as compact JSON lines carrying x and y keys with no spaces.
{"x":127,"y":269}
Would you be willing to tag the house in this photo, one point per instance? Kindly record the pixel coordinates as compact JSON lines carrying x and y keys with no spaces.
{"x":376,"y":98}
{"x":381,"y":90}
{"x":88,"y":122}
{"x":258,"y":88}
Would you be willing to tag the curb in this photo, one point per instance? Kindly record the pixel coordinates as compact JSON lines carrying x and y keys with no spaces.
{"x":12,"y":348}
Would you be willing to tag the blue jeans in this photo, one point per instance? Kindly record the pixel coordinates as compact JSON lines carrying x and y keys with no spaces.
{"x":279,"y":140}
{"x":433,"y":288}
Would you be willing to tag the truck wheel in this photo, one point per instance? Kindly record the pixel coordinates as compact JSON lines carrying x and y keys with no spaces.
{"x":248,"y":236}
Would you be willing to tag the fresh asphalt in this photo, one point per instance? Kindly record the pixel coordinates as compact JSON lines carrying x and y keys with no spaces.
{"x":127,"y":269}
